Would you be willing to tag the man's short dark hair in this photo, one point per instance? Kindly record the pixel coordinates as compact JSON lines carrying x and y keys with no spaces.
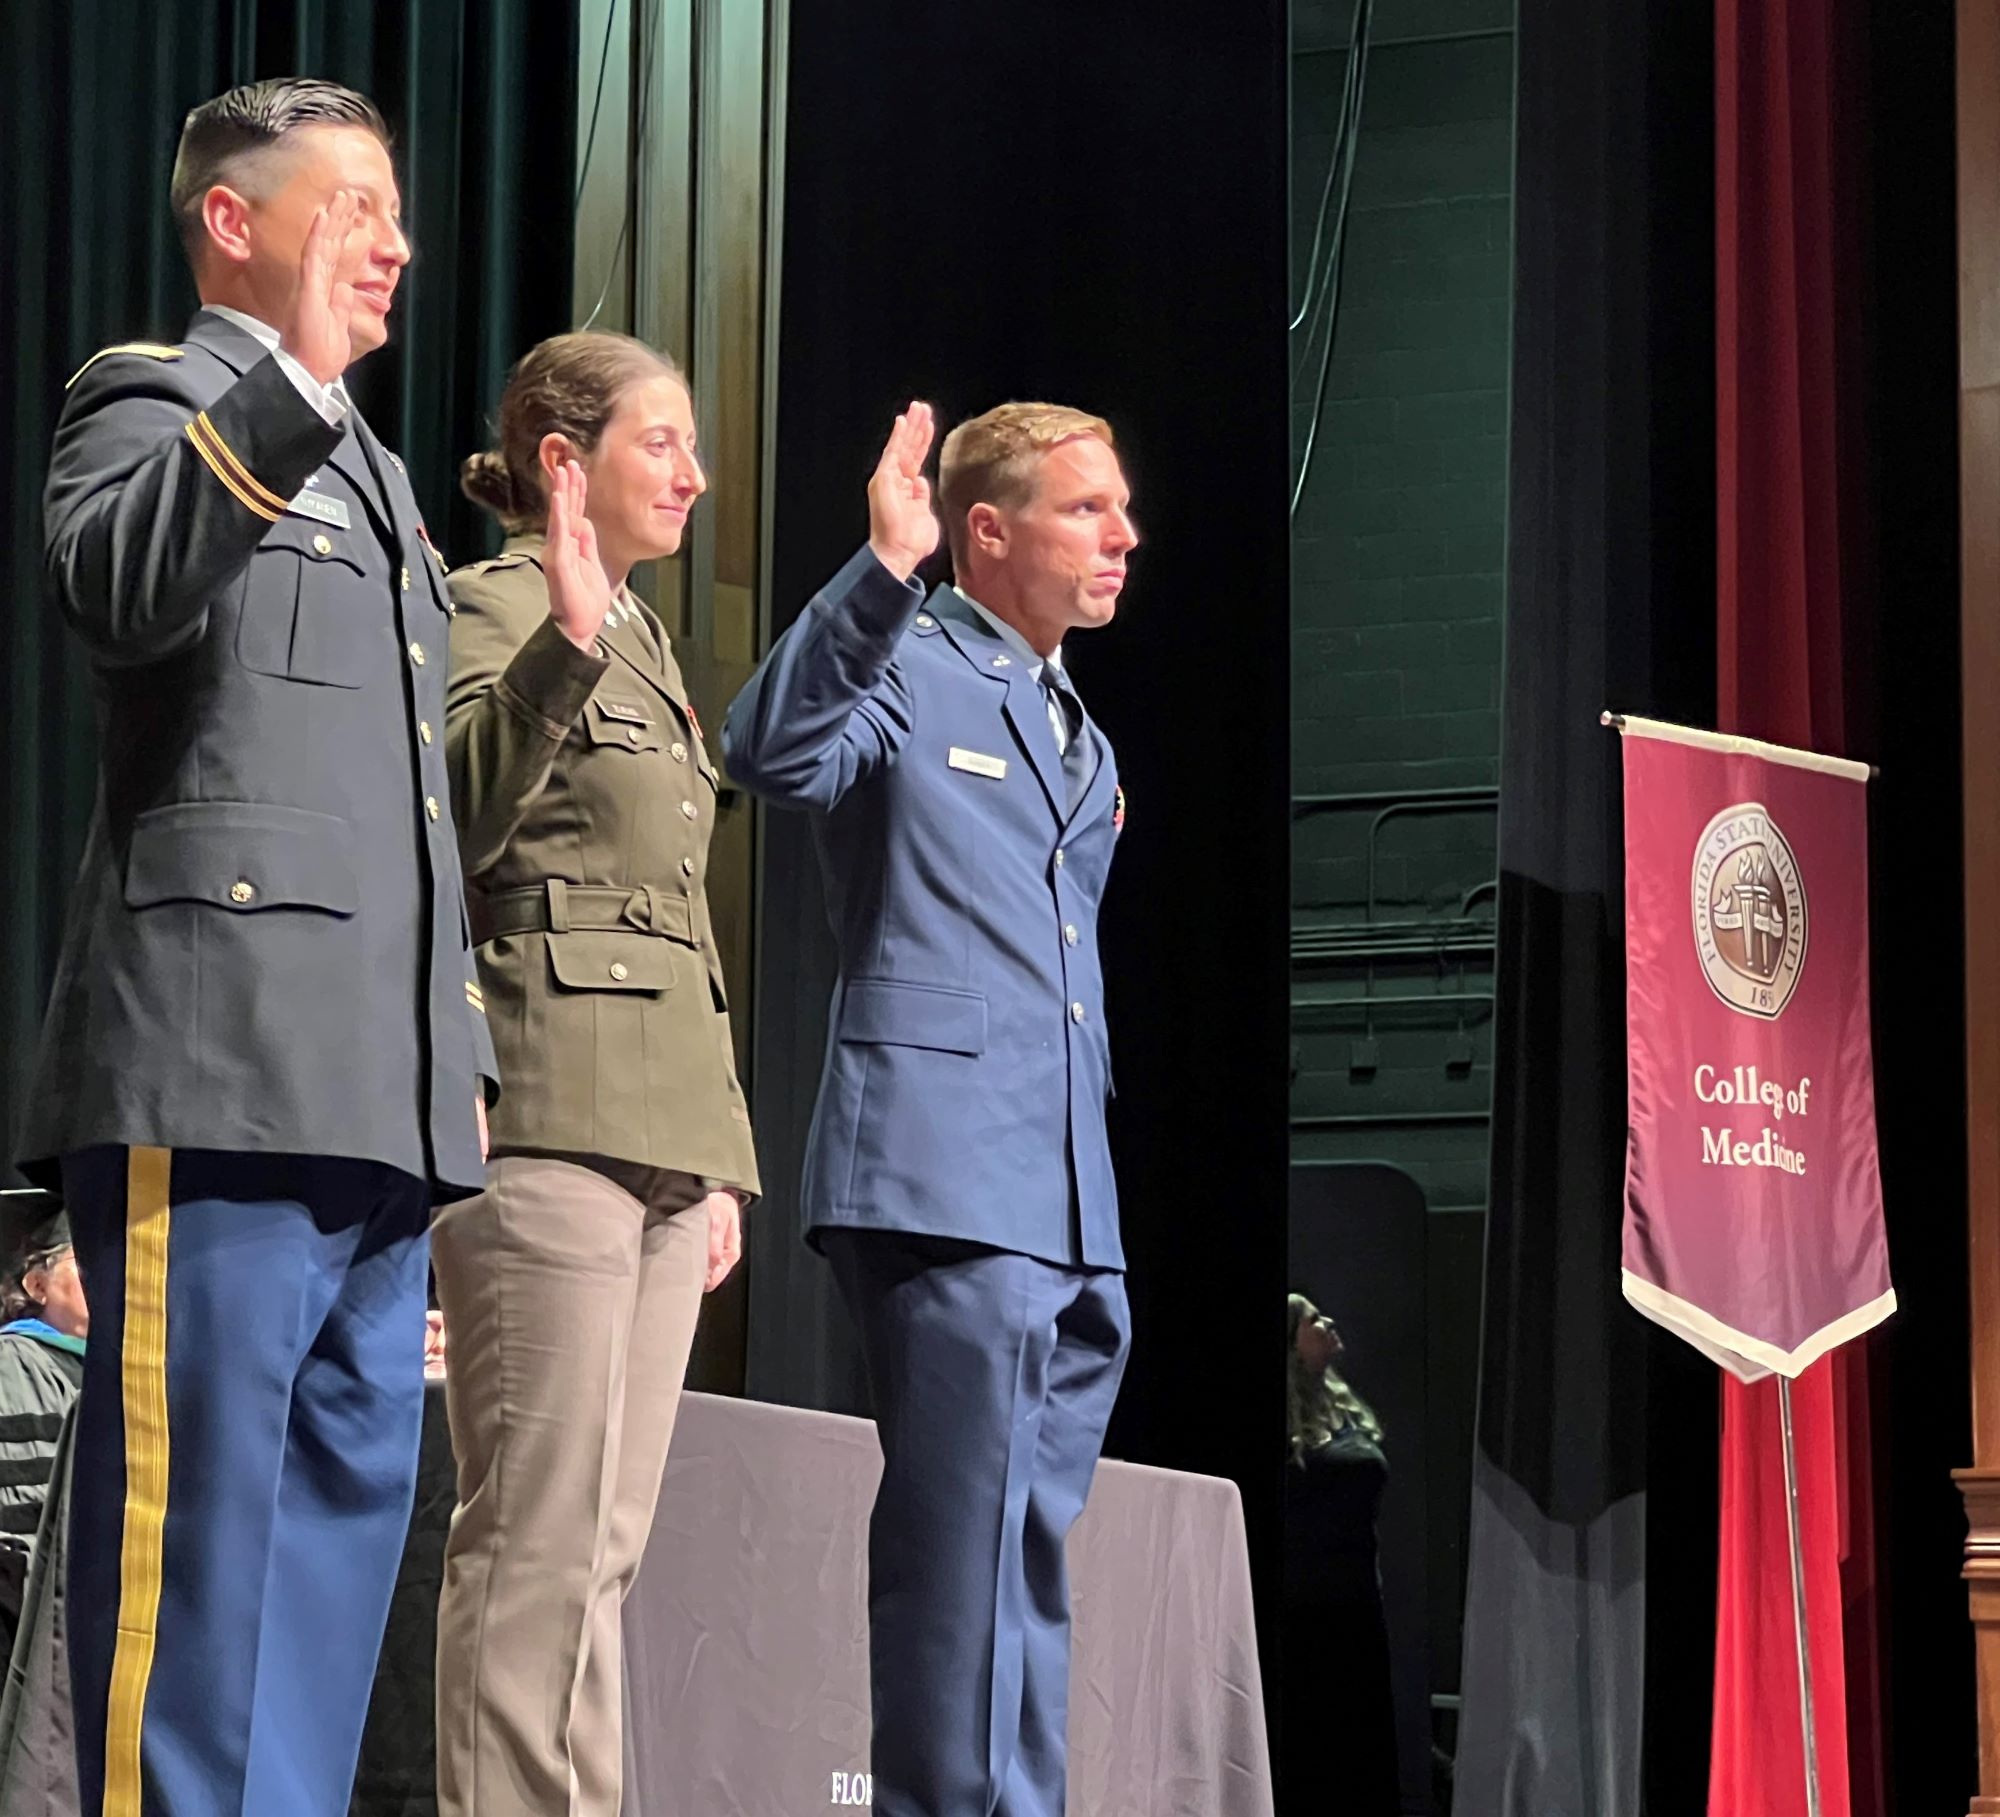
{"x":224,"y":136}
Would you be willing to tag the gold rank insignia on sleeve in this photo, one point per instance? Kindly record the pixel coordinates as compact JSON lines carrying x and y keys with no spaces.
{"x":151,"y":350}
{"x":223,"y":462}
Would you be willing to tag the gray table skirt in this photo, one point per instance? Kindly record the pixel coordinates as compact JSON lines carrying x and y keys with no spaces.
{"x":746,"y":1640}
{"x":746,"y":1635}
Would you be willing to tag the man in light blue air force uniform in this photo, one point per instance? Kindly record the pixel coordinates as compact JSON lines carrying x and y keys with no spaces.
{"x":958,"y":1176}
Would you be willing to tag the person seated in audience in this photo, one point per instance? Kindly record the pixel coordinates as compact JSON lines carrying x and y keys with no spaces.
{"x":1337,"y":1638}
{"x":43,"y":1324}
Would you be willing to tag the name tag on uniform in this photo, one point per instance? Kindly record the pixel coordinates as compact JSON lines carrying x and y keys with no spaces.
{"x":332,"y":511}
{"x":977,"y":763}
{"x":618,"y":709}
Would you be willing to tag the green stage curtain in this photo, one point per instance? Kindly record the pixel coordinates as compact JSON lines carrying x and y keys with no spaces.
{"x":481,"y":95}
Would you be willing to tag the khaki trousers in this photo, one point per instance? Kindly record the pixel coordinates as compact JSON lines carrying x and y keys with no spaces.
{"x":570,"y":1292}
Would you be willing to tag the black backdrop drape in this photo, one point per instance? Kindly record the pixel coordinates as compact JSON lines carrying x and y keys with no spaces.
{"x":1589,"y":1604}
{"x":482,"y":97}
{"x":1043,"y":200}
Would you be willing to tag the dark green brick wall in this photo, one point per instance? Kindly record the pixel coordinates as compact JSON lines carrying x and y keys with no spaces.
{"x":1398,"y":550}
{"x":1398,"y":555}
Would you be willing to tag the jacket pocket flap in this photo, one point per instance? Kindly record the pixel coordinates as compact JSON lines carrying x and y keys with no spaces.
{"x":593,"y":959}
{"x":913,"y":1015}
{"x":314,"y":541}
{"x":241,"y":855}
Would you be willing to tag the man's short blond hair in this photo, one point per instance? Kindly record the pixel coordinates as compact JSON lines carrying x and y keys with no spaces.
{"x":991,"y":459}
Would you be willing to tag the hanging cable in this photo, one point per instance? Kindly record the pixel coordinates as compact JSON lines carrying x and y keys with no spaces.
{"x":1328,"y":283}
{"x":642,"y":143}
{"x":1332,"y":164}
{"x":590,"y":138}
{"x":1317,"y":269}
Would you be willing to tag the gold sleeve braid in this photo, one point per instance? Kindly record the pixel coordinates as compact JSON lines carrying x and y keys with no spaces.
{"x":222,"y":461}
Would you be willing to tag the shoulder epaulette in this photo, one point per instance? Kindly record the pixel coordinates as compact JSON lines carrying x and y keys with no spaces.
{"x":151,"y":350}
{"x":482,"y":569}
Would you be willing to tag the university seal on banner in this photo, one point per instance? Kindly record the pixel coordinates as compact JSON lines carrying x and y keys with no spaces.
{"x":1749,"y":911}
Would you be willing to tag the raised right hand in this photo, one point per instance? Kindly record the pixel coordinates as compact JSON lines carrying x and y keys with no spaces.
{"x":902,"y":528}
{"x":579,"y":591}
{"x":323,"y":305}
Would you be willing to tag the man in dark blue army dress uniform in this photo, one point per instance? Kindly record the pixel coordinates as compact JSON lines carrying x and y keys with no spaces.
{"x":265,"y":1057}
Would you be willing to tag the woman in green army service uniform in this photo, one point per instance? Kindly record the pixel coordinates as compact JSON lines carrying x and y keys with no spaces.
{"x":621,"y":1154}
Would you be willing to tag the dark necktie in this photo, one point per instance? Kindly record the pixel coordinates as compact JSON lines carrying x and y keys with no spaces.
{"x":1076,"y":753}
{"x":358,"y":433}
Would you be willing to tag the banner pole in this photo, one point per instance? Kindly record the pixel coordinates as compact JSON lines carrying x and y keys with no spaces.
{"x":1803,"y":1639}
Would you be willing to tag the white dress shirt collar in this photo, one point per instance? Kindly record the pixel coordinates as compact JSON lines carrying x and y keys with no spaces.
{"x":331,"y":401}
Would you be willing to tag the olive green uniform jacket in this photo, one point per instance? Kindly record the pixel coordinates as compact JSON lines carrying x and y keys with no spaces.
{"x":584,"y":800}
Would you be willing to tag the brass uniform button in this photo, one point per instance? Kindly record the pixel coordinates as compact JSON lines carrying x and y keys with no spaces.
{"x":417,"y":654}
{"x":687,"y":808}
{"x":406,"y":580}
{"x":424,"y":730}
{"x":680,"y":751}
{"x":1076,"y":1012}
{"x":1059,"y":857}
{"x":633,"y":733}
{"x":687,"y":867}
{"x":618,"y":971}
{"x":322,"y":546}
{"x":431,"y":806}
{"x":1069,"y":936}
{"x":241,"y":890}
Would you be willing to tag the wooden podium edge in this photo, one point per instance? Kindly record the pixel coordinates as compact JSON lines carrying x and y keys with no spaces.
{"x":1978,"y":129}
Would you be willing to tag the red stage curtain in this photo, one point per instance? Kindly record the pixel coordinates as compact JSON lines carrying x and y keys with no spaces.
{"x":1786,"y":386}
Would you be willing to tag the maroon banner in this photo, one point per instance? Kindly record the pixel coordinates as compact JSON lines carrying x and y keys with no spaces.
{"x":1753,"y":1199}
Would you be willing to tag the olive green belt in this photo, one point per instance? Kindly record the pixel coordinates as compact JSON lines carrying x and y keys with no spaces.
{"x":556,"y":907}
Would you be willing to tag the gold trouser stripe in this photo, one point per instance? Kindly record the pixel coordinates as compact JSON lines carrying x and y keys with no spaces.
{"x":249,"y":481}
{"x":143,"y":1364}
{"x":216,"y":467}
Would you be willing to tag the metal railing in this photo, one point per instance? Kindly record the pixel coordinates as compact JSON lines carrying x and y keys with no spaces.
{"x":1452,"y":943}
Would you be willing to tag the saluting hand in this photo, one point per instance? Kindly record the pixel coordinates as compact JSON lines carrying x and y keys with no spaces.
{"x":579,"y":591}
{"x":316,"y":335}
{"x":902,"y":529}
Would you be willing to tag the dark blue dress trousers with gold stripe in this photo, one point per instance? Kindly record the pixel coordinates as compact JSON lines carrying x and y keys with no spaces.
{"x":246,"y":1453}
